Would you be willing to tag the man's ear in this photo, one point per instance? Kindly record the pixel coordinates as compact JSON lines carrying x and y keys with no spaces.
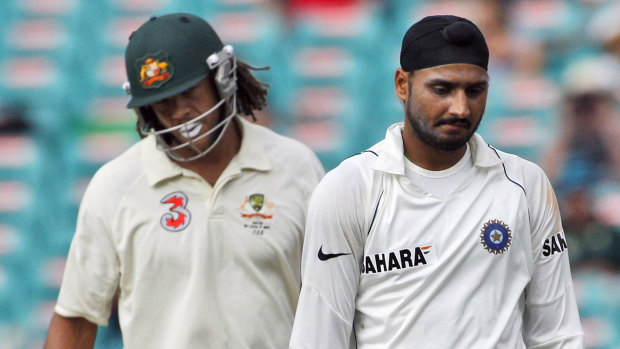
{"x":401,"y":84}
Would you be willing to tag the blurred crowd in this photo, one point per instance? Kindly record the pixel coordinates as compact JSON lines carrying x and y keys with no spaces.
{"x":554,"y":99}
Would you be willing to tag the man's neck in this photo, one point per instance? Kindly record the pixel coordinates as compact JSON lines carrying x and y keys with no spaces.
{"x":430,"y":158}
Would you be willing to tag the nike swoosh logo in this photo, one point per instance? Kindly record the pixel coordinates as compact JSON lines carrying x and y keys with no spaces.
{"x":326,"y":256}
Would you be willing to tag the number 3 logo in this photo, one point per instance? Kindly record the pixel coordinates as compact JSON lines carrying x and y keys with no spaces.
{"x":179,"y":217}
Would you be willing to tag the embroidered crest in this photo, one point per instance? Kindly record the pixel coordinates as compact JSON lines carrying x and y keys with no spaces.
{"x":154,"y":69}
{"x":259,"y":208}
{"x":256,"y":201}
{"x":495,"y":236}
{"x":257,"y":213}
{"x":179,"y":216}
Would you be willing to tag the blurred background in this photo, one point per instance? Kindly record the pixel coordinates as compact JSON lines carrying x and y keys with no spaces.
{"x":554,"y":99}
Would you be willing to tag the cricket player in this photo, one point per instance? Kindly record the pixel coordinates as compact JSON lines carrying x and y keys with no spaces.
{"x":433,"y":238}
{"x":200,"y":224}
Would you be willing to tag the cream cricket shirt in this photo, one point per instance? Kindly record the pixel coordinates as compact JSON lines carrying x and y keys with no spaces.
{"x":386,"y":264}
{"x":198,"y":266}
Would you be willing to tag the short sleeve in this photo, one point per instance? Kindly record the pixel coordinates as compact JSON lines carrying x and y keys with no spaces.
{"x":91,"y":275}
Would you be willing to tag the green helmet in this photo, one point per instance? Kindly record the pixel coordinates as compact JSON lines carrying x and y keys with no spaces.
{"x":167,"y":55}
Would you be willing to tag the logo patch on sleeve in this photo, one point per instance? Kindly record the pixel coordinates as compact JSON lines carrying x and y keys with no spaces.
{"x":554,"y":244}
{"x":495,"y":236}
{"x":402,"y":259}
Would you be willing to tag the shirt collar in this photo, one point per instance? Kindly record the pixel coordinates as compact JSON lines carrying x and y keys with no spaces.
{"x":391,"y":157}
{"x":251,"y":155}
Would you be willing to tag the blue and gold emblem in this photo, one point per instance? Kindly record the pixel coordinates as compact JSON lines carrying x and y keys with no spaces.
{"x":495,"y":236}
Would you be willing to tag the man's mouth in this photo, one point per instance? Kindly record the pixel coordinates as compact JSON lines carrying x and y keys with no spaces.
{"x":191,"y":130}
{"x":455,"y":123}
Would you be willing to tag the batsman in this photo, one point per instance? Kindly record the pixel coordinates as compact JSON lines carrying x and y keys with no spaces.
{"x":166,"y":223}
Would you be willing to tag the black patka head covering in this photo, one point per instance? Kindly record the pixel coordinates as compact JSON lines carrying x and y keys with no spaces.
{"x":443,"y":39}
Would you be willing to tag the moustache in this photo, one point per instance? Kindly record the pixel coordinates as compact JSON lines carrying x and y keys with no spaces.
{"x":454,"y":121}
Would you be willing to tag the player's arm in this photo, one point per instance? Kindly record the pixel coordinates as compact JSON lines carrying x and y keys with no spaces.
{"x":68,"y":333}
{"x":330,"y":266}
{"x":551,"y":318}
{"x":91,"y":276}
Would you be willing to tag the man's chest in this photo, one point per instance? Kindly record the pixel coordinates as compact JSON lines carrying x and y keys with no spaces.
{"x":483,"y":221}
{"x":187,"y":225}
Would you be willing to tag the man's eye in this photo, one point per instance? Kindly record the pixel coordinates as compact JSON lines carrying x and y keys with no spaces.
{"x":475,"y":91}
{"x":441,"y":90}
{"x":162,"y":104}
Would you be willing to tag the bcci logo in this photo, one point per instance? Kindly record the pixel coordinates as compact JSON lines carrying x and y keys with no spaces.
{"x":155,"y":70}
{"x":495,"y":237}
{"x":179,"y":217}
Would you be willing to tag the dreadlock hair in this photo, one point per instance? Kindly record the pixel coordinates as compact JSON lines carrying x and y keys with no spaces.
{"x":251,"y":92}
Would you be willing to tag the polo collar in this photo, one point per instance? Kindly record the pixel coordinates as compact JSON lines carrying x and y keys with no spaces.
{"x":251,"y":155}
{"x":391,"y":155}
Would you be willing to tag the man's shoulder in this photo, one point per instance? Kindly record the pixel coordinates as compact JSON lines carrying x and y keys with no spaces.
{"x":362,"y":162}
{"x":274,"y":141}
{"x":284,"y":151}
{"x":124,"y":168}
{"x":516,"y":161}
{"x":112,"y":181}
{"x":357,"y":170}
{"x":367,"y":159}
{"x":526,"y":173}
{"x":489,"y":155}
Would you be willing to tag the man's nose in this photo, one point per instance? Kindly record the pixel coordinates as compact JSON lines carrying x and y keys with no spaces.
{"x":179,"y":107}
{"x":459,"y":105}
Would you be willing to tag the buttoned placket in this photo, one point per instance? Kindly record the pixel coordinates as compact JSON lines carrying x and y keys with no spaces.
{"x":212,"y":193}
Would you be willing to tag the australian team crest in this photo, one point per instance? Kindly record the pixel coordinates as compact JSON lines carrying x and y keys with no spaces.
{"x":155,"y":69}
{"x":257,"y":201}
{"x":255,"y":206}
{"x":257,"y":213}
{"x":495,"y":236}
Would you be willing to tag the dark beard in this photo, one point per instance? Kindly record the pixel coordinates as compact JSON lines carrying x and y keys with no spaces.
{"x":425,"y":133}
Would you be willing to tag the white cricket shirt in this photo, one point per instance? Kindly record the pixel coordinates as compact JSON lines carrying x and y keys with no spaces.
{"x":197,"y":266}
{"x":388,"y":265}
